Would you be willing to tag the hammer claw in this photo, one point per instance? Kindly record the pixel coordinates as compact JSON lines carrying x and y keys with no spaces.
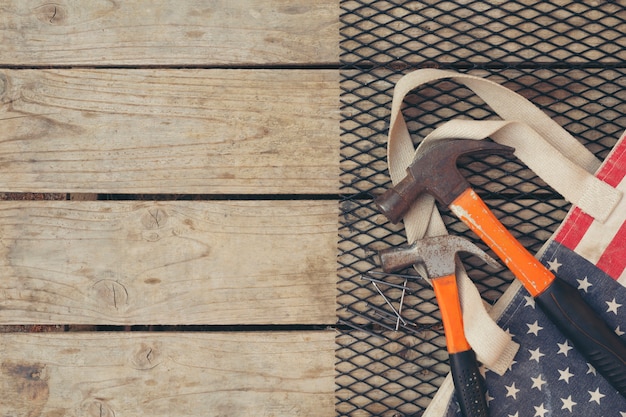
{"x":434,"y":171}
{"x":436,"y":253}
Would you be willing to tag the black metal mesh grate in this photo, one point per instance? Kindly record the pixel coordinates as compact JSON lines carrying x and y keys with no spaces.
{"x":568,"y":58}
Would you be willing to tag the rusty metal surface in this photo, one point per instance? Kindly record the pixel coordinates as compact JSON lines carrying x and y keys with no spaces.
{"x":435,"y":171}
{"x":436,"y":253}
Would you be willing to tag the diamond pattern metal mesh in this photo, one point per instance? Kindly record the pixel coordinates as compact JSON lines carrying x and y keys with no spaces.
{"x":568,"y":58}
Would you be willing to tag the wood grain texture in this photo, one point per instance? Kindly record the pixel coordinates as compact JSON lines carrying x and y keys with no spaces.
{"x":170,"y":131}
{"x":169,"y":32}
{"x":186,"y":262}
{"x":173,"y":374}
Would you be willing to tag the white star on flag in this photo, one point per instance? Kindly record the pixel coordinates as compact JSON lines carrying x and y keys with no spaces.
{"x":564,"y":348}
{"x":535,"y":355}
{"x":537,"y":382}
{"x":596,"y":395}
{"x":568,"y":403}
{"x":584,"y":284}
{"x":530,"y":302}
{"x":591,"y":369}
{"x":514,"y":415}
{"x":511,"y":391}
{"x":619,"y":331}
{"x":534,"y":328}
{"x":540,"y":411}
{"x":565,"y":375}
{"x":613,"y":306}
{"x":554,"y":265}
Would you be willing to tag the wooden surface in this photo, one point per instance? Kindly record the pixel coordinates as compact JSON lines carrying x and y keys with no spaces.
{"x":185,"y":262}
{"x":227,"y":112}
{"x":173,"y":374}
{"x":169,"y":32}
{"x":170,"y":131}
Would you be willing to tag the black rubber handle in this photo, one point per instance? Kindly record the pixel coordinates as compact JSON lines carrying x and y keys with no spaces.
{"x":468,"y":384}
{"x":591,"y":336}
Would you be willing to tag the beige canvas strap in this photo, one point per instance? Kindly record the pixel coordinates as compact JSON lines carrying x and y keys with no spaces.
{"x":549,"y":150}
{"x":562,"y":162}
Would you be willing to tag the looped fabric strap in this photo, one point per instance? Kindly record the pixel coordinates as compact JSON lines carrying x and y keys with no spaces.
{"x":544,"y":146}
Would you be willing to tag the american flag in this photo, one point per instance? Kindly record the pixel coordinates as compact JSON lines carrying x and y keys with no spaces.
{"x":548,"y":377}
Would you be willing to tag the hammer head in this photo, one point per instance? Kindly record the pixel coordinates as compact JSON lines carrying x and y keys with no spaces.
{"x":434,"y":171}
{"x":436,"y":253}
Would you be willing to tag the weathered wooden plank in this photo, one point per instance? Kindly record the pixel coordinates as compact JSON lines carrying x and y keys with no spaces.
{"x":169,"y":32}
{"x":167,"y":374}
{"x":170,"y":131}
{"x":185,"y":262}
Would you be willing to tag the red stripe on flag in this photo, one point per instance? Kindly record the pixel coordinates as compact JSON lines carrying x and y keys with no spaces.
{"x":614,"y":168}
{"x":613,"y":260}
{"x":575,"y":227}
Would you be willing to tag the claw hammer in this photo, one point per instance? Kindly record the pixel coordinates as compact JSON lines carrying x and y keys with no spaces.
{"x":438,"y":256}
{"x":434,"y":171}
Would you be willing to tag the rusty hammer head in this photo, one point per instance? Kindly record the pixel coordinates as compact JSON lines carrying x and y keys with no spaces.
{"x":434,"y":171}
{"x":436,"y":253}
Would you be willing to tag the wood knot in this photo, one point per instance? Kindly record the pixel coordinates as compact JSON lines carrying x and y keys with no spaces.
{"x":151,"y":237}
{"x":112,"y":292}
{"x":51,"y":13}
{"x":98,"y":408}
{"x":146,"y":357}
{"x":154,"y":218}
{"x":8,"y":94}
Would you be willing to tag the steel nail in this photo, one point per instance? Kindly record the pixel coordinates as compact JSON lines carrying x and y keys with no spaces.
{"x":388,"y":302}
{"x":401,"y":304}
{"x":379,"y":281}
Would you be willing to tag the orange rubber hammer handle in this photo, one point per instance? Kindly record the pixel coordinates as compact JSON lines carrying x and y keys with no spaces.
{"x":447,"y":294}
{"x":470,"y":208}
